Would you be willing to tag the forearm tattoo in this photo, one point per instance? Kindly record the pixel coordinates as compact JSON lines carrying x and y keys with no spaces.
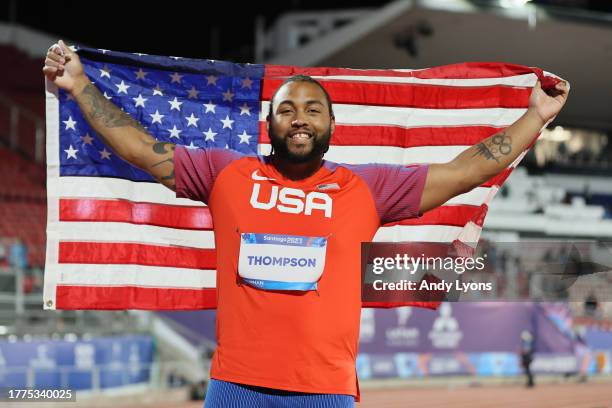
{"x":161,"y":149}
{"x":104,"y":112}
{"x":495,"y":147}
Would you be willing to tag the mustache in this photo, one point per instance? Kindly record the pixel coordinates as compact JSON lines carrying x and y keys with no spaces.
{"x":320,"y":145}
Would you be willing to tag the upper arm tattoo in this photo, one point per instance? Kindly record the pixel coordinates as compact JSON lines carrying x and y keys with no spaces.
{"x":494,"y":147}
{"x":105,"y":112}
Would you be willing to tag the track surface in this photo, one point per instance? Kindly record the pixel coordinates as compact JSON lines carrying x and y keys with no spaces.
{"x":569,"y":395}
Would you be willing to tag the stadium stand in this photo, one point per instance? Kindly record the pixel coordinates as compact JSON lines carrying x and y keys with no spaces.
{"x":20,"y":97}
{"x":23,"y":196}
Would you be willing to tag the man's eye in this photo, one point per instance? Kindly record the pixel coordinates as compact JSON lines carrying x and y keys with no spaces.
{"x":313,"y":111}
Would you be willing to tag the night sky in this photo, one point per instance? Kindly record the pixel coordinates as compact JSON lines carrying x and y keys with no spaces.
{"x":178,"y":27}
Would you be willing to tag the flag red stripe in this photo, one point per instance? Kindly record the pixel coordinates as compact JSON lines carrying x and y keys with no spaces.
{"x":469,"y":70}
{"x":137,"y":254}
{"x":83,"y":252}
{"x":377,"y":135}
{"x":499,"y":179}
{"x":132,"y":297}
{"x":416,"y":95}
{"x":452,"y":215}
{"x":162,"y":215}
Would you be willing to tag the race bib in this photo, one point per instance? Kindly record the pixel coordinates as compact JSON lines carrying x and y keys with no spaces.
{"x":281,"y":262}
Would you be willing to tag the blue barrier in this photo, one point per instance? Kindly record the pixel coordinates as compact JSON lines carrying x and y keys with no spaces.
{"x":104,"y":362}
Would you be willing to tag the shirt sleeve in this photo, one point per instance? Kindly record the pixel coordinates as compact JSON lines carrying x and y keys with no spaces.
{"x":195,"y":170}
{"x":397,"y":190}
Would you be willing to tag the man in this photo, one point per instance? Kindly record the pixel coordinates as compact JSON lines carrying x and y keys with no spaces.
{"x":526,"y":351}
{"x":288,"y":229}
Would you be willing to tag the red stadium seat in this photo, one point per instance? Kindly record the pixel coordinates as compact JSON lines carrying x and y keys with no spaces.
{"x":21,"y":81}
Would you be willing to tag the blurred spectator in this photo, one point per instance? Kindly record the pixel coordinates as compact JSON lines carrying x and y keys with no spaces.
{"x":18,"y":257}
{"x":175,"y":380}
{"x":583,"y":356}
{"x":526,"y":352}
{"x":562,"y":152}
{"x":590,"y":305}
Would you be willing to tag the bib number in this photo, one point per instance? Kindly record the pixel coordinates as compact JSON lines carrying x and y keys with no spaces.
{"x":281,"y":262}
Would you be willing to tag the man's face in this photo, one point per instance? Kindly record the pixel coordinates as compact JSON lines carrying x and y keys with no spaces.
{"x":300,"y":126}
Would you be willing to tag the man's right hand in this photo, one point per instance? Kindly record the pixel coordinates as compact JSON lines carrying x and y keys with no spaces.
{"x":63,"y":67}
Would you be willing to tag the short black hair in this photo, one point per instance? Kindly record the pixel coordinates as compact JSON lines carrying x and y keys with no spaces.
{"x":303,"y":78}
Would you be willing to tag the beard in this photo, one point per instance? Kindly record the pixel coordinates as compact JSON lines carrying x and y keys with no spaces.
{"x":280,"y":147}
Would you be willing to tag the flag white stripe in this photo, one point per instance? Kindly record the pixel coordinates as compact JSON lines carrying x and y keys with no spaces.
{"x":133,"y":233}
{"x":156,"y":193}
{"x":52,"y":127}
{"x":418,"y":233}
{"x":474,"y":197}
{"x":135,"y":275}
{"x":527,"y":80}
{"x":111,"y":188}
{"x":417,"y":117}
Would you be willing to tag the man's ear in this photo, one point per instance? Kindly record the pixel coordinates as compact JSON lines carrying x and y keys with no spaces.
{"x":333,"y":124}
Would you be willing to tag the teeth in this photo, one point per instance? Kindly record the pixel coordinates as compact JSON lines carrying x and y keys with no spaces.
{"x":300,"y":136}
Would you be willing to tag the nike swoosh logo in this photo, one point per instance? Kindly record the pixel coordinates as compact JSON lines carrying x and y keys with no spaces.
{"x":256,"y":176}
{"x":330,"y":186}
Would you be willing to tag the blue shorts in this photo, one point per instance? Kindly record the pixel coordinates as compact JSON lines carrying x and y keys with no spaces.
{"x":224,"y":394}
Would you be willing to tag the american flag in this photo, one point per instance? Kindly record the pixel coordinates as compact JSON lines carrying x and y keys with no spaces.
{"x":116,"y":239}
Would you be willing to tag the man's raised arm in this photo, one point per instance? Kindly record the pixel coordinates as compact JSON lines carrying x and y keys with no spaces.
{"x":488,"y":158}
{"x":117,"y":129}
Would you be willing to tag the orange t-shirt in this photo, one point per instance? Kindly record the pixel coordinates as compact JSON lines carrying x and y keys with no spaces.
{"x":303,"y":341}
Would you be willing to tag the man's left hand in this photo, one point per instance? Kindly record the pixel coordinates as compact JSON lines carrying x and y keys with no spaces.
{"x":548,"y":103}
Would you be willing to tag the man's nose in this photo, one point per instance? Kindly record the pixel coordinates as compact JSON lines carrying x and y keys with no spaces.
{"x":298,"y":122}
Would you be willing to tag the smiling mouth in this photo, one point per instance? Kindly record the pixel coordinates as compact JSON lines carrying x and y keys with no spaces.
{"x":300,"y":137}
